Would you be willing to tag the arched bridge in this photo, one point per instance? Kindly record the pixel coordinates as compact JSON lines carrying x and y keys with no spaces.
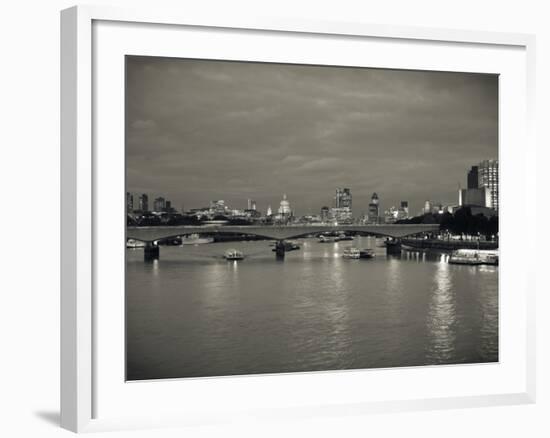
{"x":282,"y":232}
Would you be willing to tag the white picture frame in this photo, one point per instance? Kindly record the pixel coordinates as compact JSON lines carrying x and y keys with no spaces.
{"x":80,"y":166}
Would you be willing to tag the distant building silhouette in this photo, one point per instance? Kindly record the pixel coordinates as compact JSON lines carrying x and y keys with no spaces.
{"x":159,"y":204}
{"x":325,"y":214}
{"x":144,"y":202}
{"x":473,"y":178}
{"x":129,"y":202}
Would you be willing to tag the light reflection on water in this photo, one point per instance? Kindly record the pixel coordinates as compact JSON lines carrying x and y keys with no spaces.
{"x":191,"y":313}
{"x":441,"y":316}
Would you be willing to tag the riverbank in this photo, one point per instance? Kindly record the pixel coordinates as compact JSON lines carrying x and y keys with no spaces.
{"x":449,"y":245}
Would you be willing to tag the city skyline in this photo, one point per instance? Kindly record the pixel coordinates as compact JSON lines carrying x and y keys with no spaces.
{"x":481,"y":191}
{"x":204,"y":130}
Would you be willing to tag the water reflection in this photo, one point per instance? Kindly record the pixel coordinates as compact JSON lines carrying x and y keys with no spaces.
{"x":192,"y":313}
{"x":441,"y":316}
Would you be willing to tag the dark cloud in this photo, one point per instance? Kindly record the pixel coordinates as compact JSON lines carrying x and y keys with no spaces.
{"x":202,"y":130}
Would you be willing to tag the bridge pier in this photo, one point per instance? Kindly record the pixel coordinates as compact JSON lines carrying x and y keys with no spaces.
{"x":151,"y":251}
{"x":393,"y":246}
{"x":280,"y":249}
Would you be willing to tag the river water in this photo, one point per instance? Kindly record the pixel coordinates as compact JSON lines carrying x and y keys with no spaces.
{"x":192,"y":313}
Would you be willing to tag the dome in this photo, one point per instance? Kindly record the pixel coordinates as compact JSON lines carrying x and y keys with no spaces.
{"x":284,"y":207}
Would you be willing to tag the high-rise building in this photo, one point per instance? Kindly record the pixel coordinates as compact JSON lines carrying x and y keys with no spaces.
{"x":253,"y":205}
{"x":269,"y":211}
{"x":159,"y":204}
{"x":343,"y":198}
{"x":373,"y":212}
{"x":129,"y":202}
{"x":473,"y":178}
{"x":488,"y":177}
{"x":144,"y":202}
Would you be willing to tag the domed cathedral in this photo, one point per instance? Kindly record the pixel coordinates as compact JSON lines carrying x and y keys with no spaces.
{"x":284,"y":213}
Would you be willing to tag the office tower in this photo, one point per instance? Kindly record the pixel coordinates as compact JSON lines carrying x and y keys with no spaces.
{"x":343,"y":198}
{"x":488,"y":178}
{"x":373,"y":209}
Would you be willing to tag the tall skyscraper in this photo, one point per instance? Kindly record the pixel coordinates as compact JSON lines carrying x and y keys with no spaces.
{"x":343,"y":198}
{"x":473,"y":178}
{"x":488,"y":178}
{"x":373,"y":213}
{"x":325,"y":214}
{"x":144,"y":202}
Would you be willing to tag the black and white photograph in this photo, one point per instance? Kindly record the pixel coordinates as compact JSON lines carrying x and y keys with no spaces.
{"x":285,"y":218}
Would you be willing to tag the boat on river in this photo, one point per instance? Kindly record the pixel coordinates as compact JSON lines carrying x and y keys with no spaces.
{"x":356,"y":253}
{"x":233,"y":254}
{"x":343,"y":236}
{"x":473,"y":257}
{"x":366,"y":253}
{"x":351,"y":253}
{"x":327,"y":239}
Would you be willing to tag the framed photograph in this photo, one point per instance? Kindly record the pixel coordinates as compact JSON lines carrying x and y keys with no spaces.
{"x":290,"y":218}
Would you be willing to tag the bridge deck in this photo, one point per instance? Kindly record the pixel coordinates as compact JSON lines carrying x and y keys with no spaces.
{"x":277,"y":232}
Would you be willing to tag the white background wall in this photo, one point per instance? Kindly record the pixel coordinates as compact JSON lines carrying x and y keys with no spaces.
{"x":29,"y":177}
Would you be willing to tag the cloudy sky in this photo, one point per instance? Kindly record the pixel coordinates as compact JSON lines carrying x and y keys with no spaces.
{"x":203,"y":130}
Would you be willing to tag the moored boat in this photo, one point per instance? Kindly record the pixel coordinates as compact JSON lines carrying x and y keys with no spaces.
{"x":326,"y":239}
{"x":133,"y":243}
{"x":233,"y":254}
{"x":473,"y":257}
{"x":343,"y":236}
